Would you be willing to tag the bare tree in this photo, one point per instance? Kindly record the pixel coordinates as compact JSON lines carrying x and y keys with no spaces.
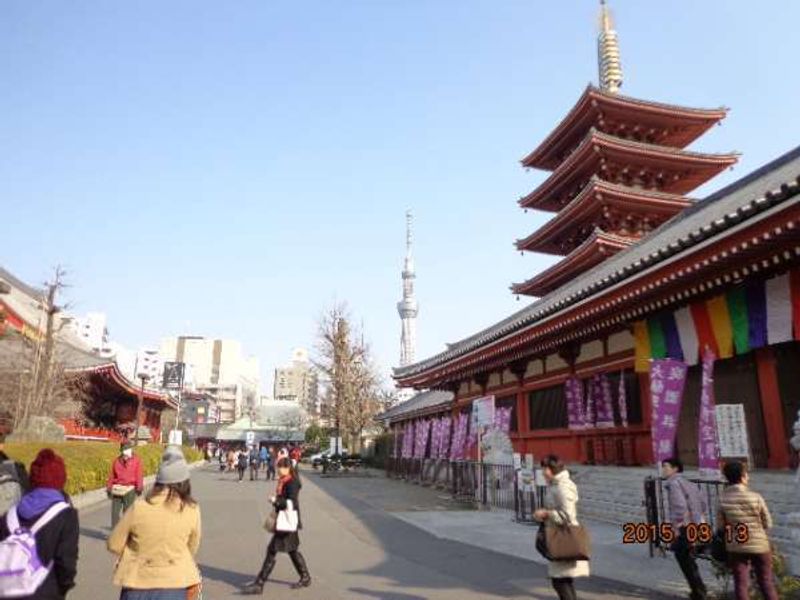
{"x":34,"y":381}
{"x":352,"y":387}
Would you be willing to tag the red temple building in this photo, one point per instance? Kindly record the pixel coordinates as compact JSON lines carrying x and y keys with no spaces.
{"x":105,"y":402}
{"x":647,"y":272}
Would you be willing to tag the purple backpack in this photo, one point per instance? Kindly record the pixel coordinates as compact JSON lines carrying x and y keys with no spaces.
{"x":21,"y":569}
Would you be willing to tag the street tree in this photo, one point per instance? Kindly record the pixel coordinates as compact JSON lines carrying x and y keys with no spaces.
{"x":353,"y":393}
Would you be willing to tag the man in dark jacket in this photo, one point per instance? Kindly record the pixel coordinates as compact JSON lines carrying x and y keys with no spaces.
{"x":57,"y":541}
{"x":22,"y":474}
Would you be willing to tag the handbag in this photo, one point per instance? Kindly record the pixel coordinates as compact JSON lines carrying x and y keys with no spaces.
{"x":288,"y":519}
{"x":566,"y":541}
{"x":269,"y":522}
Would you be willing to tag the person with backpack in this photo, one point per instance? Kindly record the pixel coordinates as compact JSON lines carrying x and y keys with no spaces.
{"x":157,"y":540}
{"x":686,"y":505}
{"x":13,"y":480}
{"x":746,"y":515}
{"x":125,"y":481}
{"x":39,"y":536}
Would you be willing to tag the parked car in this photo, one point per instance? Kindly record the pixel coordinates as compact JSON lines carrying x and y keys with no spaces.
{"x":317,"y":459}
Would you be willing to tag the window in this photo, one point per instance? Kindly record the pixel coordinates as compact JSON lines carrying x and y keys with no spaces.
{"x":548,"y":408}
{"x":506,"y":402}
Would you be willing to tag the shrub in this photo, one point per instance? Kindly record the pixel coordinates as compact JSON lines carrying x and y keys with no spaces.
{"x":88,"y":463}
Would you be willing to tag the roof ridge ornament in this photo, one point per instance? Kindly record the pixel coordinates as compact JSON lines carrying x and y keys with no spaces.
{"x":608,"y":57}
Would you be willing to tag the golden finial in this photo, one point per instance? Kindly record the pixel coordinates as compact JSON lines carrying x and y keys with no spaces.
{"x":608,"y":62}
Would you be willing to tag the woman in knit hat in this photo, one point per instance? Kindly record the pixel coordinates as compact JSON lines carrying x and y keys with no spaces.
{"x":57,"y":538}
{"x":158,"y":537}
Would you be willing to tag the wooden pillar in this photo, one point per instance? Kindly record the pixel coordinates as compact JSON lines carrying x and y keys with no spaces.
{"x":523,"y":418}
{"x":774,"y":427}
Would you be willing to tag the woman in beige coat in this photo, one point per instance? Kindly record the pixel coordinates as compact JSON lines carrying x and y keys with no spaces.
{"x":561,"y":501}
{"x":157,"y":539}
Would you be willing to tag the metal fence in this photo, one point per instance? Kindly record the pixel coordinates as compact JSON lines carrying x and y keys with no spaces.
{"x":498,"y":486}
{"x":656,"y":506}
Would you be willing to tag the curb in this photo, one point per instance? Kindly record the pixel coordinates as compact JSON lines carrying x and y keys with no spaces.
{"x":93,"y":498}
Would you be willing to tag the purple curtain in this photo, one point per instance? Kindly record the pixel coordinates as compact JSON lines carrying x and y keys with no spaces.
{"x":573,"y":390}
{"x":667,"y":378}
{"x":623,"y":400}
{"x":707,"y":447}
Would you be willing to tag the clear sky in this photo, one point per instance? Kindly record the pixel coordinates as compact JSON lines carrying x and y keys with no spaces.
{"x":231,"y":168}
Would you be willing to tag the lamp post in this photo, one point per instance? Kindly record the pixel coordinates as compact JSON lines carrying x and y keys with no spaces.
{"x":144,"y":377}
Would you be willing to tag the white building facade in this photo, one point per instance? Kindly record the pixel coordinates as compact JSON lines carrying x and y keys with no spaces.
{"x":218,"y":367}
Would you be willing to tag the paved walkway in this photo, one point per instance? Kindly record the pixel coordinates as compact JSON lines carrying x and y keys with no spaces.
{"x":355,"y":545}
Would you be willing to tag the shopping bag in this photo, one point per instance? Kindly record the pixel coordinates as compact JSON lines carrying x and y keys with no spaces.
{"x":288,"y":519}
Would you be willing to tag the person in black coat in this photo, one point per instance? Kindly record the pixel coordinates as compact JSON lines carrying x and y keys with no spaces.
{"x":288,"y":489}
{"x":57,"y":541}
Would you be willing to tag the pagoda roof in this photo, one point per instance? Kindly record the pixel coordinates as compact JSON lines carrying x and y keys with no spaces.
{"x":594,"y":250}
{"x":689,"y":169}
{"x":591,"y":201}
{"x":748,"y":199}
{"x":672,"y":125}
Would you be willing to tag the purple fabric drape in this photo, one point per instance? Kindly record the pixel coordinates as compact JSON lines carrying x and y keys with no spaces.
{"x":604,"y":402}
{"x":623,"y":400}
{"x":458,"y":447}
{"x":671,"y":337}
{"x":667,"y":378}
{"x":573,"y":390}
{"x":757,"y":314}
{"x":444,"y":450}
{"x":707,"y":447}
{"x":423,"y":431}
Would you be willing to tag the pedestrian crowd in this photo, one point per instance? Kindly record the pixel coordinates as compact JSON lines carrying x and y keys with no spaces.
{"x":155,"y":534}
{"x":740,"y":539}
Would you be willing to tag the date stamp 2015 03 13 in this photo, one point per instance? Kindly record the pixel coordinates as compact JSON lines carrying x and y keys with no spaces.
{"x":696,"y":533}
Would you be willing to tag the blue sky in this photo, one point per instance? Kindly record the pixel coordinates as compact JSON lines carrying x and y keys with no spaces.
{"x":231,"y":169}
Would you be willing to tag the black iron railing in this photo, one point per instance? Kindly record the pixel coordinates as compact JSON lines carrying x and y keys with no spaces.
{"x":498,"y":486}
{"x":656,"y":506}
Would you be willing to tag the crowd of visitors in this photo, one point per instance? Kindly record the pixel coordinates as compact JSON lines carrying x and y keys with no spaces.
{"x":156,"y":535}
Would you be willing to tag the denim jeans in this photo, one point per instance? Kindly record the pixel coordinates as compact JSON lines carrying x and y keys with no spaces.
{"x":171,"y":594}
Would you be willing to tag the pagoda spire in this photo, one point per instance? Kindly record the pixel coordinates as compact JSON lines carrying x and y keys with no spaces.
{"x":608,"y":62}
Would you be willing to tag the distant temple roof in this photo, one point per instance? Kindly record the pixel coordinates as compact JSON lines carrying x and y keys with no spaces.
{"x":417,"y":404}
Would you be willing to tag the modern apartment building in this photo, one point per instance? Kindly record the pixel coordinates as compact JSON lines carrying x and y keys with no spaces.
{"x":218,"y":367}
{"x":298,"y":382}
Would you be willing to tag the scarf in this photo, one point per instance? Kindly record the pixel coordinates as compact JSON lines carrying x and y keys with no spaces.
{"x":282,"y":482}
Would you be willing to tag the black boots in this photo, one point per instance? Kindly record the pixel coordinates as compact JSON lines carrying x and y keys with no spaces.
{"x":256,"y":587}
{"x":302,"y":569}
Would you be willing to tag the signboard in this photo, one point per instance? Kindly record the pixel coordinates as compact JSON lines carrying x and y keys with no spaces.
{"x":176,"y":437}
{"x":667,"y":379}
{"x":732,"y":431}
{"x":482,"y":413}
{"x":250,"y":437}
{"x":173,"y":375}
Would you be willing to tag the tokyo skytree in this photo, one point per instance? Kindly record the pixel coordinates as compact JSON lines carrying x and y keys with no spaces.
{"x":407,"y":307}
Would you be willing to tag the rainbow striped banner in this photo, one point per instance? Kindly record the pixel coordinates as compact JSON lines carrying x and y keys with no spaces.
{"x":745,"y":318}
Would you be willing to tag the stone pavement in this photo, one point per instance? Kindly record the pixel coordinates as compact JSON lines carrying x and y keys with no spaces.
{"x":355,"y":546}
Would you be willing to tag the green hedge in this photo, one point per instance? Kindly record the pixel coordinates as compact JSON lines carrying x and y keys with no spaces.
{"x":88,"y":463}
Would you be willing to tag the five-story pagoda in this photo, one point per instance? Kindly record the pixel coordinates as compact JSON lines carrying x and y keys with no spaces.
{"x":619,"y":169}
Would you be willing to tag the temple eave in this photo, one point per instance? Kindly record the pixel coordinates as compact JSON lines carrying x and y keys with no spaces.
{"x":599,"y":200}
{"x":679,"y":126}
{"x":594,"y":250}
{"x":673,"y":171}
